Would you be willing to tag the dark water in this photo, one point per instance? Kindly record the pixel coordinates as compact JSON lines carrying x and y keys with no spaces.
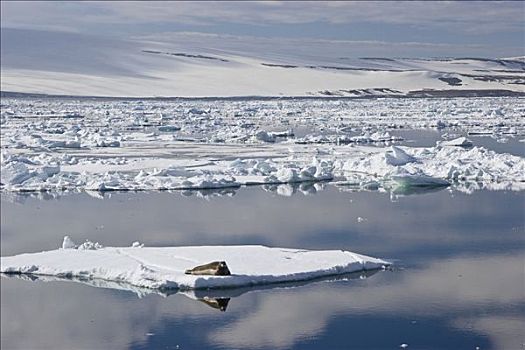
{"x":458,"y":281}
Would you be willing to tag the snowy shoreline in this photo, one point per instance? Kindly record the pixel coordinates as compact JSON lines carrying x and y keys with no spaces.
{"x":415,"y":94}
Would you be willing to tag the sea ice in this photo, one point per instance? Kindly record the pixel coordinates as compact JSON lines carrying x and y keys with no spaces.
{"x":68,"y":243}
{"x":396,"y":156}
{"x":459,"y":142}
{"x":219,"y":144}
{"x":163,"y":268}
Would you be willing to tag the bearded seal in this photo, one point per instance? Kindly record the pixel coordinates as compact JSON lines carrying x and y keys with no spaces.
{"x":216,"y":268}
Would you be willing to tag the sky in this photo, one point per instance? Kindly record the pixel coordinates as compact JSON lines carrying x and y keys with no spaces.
{"x":442,"y":28}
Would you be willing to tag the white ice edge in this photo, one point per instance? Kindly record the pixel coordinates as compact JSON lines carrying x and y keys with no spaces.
{"x":409,"y":166}
{"x":163,"y":268}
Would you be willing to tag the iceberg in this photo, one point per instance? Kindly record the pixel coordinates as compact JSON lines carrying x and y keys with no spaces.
{"x":164,"y":268}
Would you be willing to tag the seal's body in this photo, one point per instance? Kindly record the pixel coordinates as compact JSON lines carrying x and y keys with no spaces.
{"x":216,"y":268}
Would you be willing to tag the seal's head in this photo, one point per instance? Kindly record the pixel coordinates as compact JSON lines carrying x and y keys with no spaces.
{"x":223,"y":269}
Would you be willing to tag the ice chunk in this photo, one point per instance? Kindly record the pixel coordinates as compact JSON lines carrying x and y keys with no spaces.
{"x":209,"y":182}
{"x":168,"y":128}
{"x":288,"y":175}
{"x":264,"y":136}
{"x":15,"y":173}
{"x":50,"y":170}
{"x":88,"y":245}
{"x":419,"y":181}
{"x":107,"y":143}
{"x":68,"y":243}
{"x":396,"y":156}
{"x":459,"y":142}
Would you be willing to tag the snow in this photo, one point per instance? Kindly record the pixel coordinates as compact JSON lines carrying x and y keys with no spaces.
{"x":190,"y":65}
{"x":163,"y":268}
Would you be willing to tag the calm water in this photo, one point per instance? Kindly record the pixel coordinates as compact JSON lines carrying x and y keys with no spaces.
{"x":427,"y":138}
{"x":458,"y":281}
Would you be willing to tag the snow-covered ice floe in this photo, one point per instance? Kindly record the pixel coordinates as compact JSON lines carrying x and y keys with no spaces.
{"x":164,"y":268}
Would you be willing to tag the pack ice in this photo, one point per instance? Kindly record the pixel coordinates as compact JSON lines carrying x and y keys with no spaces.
{"x":105,"y":145}
{"x":163,"y":268}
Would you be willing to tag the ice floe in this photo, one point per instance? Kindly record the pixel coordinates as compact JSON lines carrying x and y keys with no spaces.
{"x":164,"y":268}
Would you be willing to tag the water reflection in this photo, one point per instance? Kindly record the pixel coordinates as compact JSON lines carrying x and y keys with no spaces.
{"x":451,"y":302}
{"x":218,"y":303}
{"x":307,"y":188}
{"x":423,"y":294}
{"x":460,"y":286}
{"x":447,"y":221}
{"x":216,"y":298}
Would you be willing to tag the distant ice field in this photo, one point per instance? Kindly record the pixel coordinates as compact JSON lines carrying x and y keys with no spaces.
{"x":75,"y":144}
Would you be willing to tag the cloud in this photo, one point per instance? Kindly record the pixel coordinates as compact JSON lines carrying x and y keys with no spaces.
{"x":465,"y":17}
{"x":248,"y":43}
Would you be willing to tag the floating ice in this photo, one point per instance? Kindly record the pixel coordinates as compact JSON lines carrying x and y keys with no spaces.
{"x":222,"y":144}
{"x":163,"y":268}
{"x":419,"y":181}
{"x":396,"y":156}
{"x":264,"y":136}
{"x":168,"y":128}
{"x":459,"y":142}
{"x":68,"y":243}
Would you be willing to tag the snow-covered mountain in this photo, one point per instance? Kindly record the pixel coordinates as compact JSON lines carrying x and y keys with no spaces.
{"x":200,"y":65}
